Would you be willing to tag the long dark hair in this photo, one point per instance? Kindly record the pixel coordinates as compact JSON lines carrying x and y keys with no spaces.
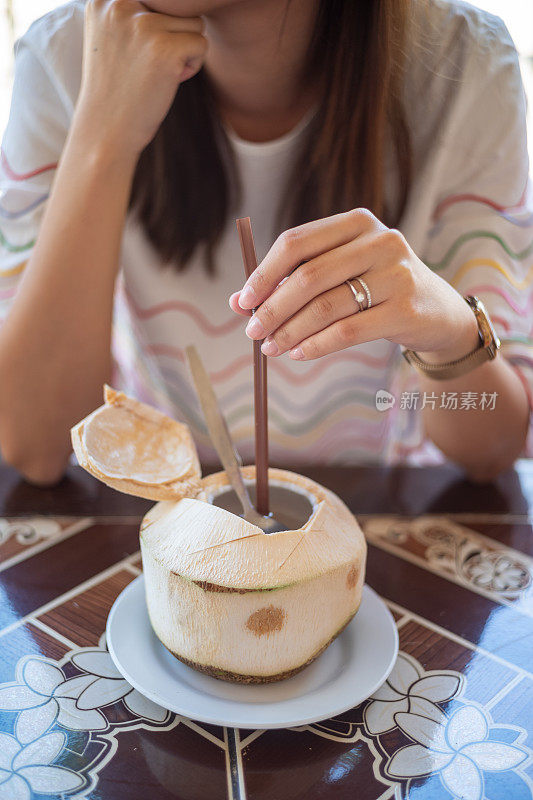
{"x":185,"y":184}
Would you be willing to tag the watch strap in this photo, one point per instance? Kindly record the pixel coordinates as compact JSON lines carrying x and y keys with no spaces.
{"x":486,"y":350}
{"x":451,"y":369}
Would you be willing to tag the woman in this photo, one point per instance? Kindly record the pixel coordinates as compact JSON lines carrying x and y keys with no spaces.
{"x":341,"y":123}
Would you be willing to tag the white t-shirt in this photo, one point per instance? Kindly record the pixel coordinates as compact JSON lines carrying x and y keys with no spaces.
{"x":469,"y":217}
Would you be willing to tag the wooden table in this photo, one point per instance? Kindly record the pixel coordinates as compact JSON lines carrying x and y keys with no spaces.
{"x":453,"y":562}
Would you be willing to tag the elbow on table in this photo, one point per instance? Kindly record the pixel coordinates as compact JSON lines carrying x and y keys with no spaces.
{"x":488,"y":471}
{"x":486,"y":461}
{"x":38,"y":466}
{"x":483,"y":475}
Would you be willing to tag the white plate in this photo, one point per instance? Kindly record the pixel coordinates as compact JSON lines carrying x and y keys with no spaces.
{"x":354,"y":665}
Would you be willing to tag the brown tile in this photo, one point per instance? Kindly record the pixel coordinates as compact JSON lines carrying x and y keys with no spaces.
{"x":176,"y":765}
{"x":519,"y":536}
{"x":294,"y":765}
{"x":83,"y":618}
{"x":502,"y":630}
{"x":38,"y":580}
{"x":20,"y":534}
{"x":23,"y":641}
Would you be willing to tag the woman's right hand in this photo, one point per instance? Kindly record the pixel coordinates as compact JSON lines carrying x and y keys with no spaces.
{"x":133,"y":62}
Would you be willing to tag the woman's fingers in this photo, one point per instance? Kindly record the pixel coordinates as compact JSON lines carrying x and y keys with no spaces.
{"x":303,"y":244}
{"x":365,"y":326}
{"x":134,"y":62}
{"x":312,"y":279}
{"x":175,"y":24}
{"x":321,"y":312}
{"x":234,"y":305}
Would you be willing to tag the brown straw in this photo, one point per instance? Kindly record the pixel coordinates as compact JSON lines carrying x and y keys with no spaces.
{"x":249,"y":258}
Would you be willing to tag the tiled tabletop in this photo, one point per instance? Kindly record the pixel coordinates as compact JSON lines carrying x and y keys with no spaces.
{"x":454,"y":563}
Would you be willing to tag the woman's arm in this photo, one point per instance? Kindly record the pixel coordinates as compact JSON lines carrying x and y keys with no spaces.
{"x":55,"y":342}
{"x":484,"y":438}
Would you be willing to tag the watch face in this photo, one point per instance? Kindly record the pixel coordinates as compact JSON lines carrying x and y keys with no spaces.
{"x":490,"y":338}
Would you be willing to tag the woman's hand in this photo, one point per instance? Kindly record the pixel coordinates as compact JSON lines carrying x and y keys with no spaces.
{"x":305,"y":308}
{"x":133,"y":62}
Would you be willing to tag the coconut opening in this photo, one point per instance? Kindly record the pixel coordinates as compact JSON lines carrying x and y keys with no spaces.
{"x":290,"y":505}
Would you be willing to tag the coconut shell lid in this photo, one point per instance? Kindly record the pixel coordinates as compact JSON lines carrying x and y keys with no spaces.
{"x":138,"y":450}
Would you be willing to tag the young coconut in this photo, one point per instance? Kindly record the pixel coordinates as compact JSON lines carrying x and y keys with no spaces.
{"x":223,"y":596}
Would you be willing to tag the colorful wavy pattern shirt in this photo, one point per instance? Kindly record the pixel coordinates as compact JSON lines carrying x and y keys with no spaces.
{"x":469,"y":218}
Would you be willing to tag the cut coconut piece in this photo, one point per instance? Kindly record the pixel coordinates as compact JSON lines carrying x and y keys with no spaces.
{"x":138,"y":450}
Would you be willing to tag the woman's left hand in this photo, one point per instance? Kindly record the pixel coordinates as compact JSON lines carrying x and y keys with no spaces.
{"x":305,"y":308}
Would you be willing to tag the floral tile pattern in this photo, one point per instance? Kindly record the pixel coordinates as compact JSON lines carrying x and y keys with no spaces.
{"x":415,"y":737}
{"x":85,"y":694}
{"x":27,"y":769}
{"x":460,"y":554}
{"x":52,"y":701}
{"x":450,"y":723}
{"x":463,"y":747}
